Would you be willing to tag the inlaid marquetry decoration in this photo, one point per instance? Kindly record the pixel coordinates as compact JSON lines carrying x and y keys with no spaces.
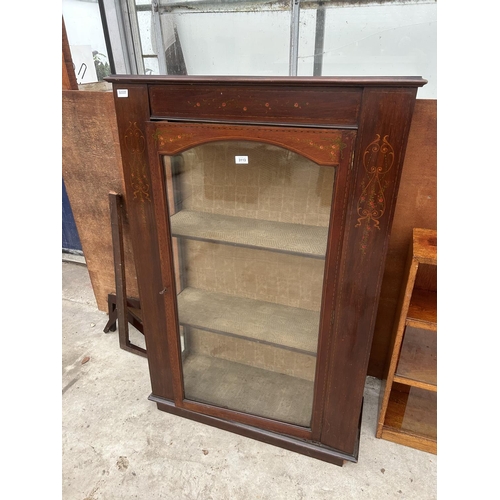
{"x":135,"y":142}
{"x":237,"y":104}
{"x":170,"y":140}
{"x":324,"y":147}
{"x":378,"y":159}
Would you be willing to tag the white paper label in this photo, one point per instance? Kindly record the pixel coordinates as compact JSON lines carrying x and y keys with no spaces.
{"x":122,"y":92}
{"x":241,"y":159}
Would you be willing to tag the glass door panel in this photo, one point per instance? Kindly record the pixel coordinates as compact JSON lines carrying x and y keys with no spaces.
{"x":249,"y":224}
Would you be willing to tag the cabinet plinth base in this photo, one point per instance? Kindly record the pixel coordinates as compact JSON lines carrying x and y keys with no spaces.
{"x":310,"y":449}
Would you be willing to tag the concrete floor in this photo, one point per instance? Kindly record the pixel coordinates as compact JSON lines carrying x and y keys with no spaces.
{"x":117,"y":445}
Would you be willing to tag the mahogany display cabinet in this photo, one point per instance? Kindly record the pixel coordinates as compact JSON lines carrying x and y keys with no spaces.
{"x":260,"y":211}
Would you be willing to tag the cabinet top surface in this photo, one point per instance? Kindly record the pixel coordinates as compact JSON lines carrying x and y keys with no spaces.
{"x":324,"y":81}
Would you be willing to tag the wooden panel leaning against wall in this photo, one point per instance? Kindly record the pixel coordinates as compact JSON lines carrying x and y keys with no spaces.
{"x":416,"y":207}
{"x":92,"y":168}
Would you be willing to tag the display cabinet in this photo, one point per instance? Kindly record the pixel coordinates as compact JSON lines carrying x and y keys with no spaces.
{"x":408,"y":409}
{"x":260,"y":211}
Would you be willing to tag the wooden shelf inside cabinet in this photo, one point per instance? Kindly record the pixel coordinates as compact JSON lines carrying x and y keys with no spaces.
{"x":255,"y":320}
{"x":238,"y":386}
{"x":298,"y":239}
{"x":409,"y":396}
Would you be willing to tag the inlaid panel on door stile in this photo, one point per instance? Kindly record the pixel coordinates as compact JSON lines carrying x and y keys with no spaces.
{"x":249,"y":224}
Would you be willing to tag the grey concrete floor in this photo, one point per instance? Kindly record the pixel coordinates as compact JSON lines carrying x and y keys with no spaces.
{"x":117,"y":445}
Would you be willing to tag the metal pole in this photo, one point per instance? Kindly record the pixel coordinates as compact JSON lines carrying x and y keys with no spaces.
{"x":319,"y":41}
{"x":294,"y":38}
{"x":134,"y":36}
{"x":160,"y":47}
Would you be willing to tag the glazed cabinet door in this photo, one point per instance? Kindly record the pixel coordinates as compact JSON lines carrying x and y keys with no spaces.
{"x":249,"y":225}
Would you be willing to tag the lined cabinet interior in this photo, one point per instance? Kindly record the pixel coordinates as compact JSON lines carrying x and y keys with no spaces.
{"x":408,"y":413}
{"x":250,"y":242}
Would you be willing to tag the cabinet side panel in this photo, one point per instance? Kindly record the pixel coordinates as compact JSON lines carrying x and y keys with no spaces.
{"x":385,"y":118}
{"x":132,"y":112}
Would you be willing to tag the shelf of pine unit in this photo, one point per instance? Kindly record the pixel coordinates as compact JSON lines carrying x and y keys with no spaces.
{"x":256,"y":320}
{"x":422,"y":312}
{"x":417,"y":365}
{"x":298,"y":239}
{"x":411,"y":418}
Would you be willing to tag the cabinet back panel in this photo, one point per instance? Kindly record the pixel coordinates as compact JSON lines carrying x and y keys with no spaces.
{"x":255,"y":274}
{"x":263,"y":356}
{"x":426,"y":277}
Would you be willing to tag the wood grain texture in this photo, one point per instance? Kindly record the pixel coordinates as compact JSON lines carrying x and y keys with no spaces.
{"x":408,"y":395}
{"x":132,"y":114}
{"x":418,"y":358}
{"x":91,"y":168}
{"x":416,"y":207}
{"x":324,"y":147}
{"x":379,"y":155}
{"x":417,"y":442}
{"x":266,"y":104}
{"x":412,"y":412}
{"x":423,"y":308}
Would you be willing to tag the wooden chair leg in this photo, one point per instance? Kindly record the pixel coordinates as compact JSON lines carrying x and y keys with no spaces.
{"x":116,"y":212}
{"x":112,"y":315}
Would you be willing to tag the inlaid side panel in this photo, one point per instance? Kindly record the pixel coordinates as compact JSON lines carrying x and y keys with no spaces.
{"x":379,"y":156}
{"x":132,"y":113}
